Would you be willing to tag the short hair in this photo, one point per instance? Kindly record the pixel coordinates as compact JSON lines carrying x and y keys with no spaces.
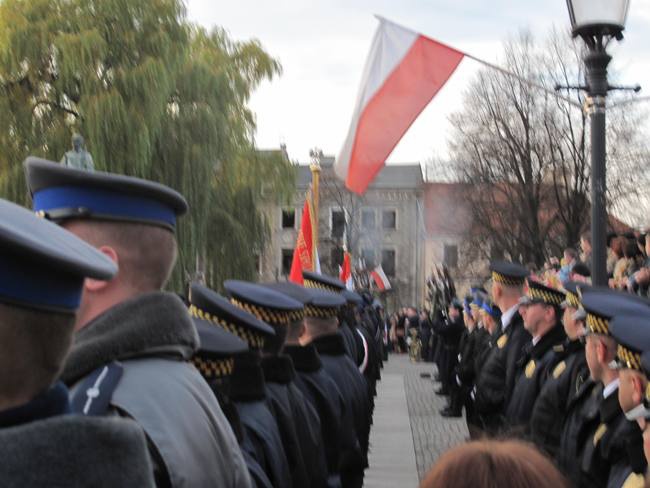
{"x":493,"y":464}
{"x":319,"y":326}
{"x":147,"y":253}
{"x":586,"y":236}
{"x":274,"y":344}
{"x":571,"y":252}
{"x":35,"y":344}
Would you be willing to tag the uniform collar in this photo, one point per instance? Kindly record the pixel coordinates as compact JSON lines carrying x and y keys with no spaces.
{"x":247,"y":380}
{"x":305,"y":358}
{"x":507,"y":317}
{"x":330,"y":345}
{"x":278,"y":369}
{"x":50,"y":403}
{"x":610,"y":388}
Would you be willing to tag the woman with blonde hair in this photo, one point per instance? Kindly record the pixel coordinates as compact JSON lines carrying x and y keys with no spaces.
{"x":494,"y":464}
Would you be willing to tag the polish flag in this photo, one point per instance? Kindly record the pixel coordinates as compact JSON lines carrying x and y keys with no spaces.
{"x":380,"y":278}
{"x":403,"y":72}
{"x":345,"y":274}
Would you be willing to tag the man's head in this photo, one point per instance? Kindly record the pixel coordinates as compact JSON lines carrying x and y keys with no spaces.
{"x":507,"y":283}
{"x":321,"y":314}
{"x":77,"y":142}
{"x":570,"y":255}
{"x":540,"y":307}
{"x":600,"y":351}
{"x":131,"y":220}
{"x":43,"y":271}
{"x":572,"y":327}
{"x":296,"y":327}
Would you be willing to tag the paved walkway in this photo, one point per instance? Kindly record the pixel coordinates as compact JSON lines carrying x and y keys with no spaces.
{"x":408,"y":433}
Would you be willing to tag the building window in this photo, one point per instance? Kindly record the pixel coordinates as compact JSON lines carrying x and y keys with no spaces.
{"x":287,"y":258}
{"x":336,"y":258}
{"x":368,"y":256}
{"x":338,"y":224}
{"x":368,"y":218}
{"x":389,"y":219}
{"x":450,"y":255}
{"x":388,"y":262}
{"x":288,"y":218}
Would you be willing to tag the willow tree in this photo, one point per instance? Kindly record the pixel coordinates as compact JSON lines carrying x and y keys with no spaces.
{"x":155,"y":97}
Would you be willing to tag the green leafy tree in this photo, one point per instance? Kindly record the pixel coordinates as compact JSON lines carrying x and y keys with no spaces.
{"x":155,"y":97}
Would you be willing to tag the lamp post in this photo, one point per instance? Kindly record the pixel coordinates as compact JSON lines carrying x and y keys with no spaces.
{"x":597,"y":22}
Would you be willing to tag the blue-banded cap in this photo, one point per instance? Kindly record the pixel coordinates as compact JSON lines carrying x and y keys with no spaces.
{"x":602,"y":305}
{"x":60,"y":192}
{"x":43,"y":266}
{"x":508,"y":273}
{"x":537,"y":292}
{"x":632,"y":334}
{"x":324,"y":282}
{"x":323,"y":304}
{"x":268,"y":305}
{"x":208,"y":306}
{"x":492,"y":310}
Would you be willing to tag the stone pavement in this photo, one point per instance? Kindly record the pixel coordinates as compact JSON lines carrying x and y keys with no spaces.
{"x":408,"y":433}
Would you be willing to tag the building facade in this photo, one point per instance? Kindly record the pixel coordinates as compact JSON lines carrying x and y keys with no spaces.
{"x":385,"y":226}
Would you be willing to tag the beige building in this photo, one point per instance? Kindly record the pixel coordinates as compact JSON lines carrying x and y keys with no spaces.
{"x":384,"y":226}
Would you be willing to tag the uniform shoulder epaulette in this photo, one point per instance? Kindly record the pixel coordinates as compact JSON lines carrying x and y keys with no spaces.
{"x":558,"y":348}
{"x":502,"y":341}
{"x":559,"y":369}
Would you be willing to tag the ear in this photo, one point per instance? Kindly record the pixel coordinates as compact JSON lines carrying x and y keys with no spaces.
{"x":94,"y":286}
{"x":637,"y":389}
{"x":601,"y":351}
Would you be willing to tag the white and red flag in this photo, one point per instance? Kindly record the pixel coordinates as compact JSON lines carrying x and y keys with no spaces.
{"x":346,"y":271}
{"x":380,"y":278}
{"x":403,"y":72}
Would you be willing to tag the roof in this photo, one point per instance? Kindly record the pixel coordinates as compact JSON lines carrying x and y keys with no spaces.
{"x":392,"y":176}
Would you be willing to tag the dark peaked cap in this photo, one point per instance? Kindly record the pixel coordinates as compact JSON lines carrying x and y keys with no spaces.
{"x":540,"y":293}
{"x":292,"y":290}
{"x":632,"y":334}
{"x":218,"y":348}
{"x":323,"y":304}
{"x":507,"y":273}
{"x":59,"y":193}
{"x":271,"y":306}
{"x":209,"y":306}
{"x":43,"y":266}
{"x":352,"y":297}
{"x":602,"y":305}
{"x":324,"y":282}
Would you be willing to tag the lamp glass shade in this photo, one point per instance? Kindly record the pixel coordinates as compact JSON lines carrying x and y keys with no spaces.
{"x":609,"y":15}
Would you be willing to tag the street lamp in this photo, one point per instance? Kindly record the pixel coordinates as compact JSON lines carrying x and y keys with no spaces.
{"x":597,"y":22}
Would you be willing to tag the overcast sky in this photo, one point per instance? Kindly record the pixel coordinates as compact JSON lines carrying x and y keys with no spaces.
{"x":322,"y":46}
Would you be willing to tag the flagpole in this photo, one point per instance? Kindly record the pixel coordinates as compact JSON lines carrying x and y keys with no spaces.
{"x":315,"y":179}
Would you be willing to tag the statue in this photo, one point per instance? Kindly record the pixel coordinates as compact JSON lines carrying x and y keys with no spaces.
{"x":78,"y":157}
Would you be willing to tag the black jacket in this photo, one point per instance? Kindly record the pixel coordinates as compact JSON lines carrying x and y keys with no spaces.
{"x":533,"y":371}
{"x":342,"y":449}
{"x":261,"y":439}
{"x":465,"y":368}
{"x":613,"y":448}
{"x":582,"y":413}
{"x":496,"y":379}
{"x":567,"y":374}
{"x":338,"y":365}
{"x":298,"y":422}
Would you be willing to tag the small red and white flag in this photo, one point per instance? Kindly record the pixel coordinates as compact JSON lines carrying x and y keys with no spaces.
{"x":380,"y":278}
{"x":403,"y":72}
{"x":345,"y":274}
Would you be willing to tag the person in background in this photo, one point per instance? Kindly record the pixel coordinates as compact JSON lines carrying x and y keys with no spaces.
{"x":569,"y":260}
{"x":492,"y":464}
{"x":585,"y":247}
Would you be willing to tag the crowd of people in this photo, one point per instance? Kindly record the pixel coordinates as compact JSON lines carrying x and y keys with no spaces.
{"x":109,"y":381}
{"x":547,"y":359}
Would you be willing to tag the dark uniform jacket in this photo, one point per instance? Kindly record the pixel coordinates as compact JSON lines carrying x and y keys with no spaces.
{"x":152,"y":336}
{"x":496,"y":379}
{"x":613,"y":449}
{"x":467,"y":348}
{"x":298,"y":423}
{"x":42,"y":446}
{"x":568,"y":373}
{"x":483,"y":343}
{"x":582,"y":413}
{"x":261,"y":439}
{"x":533,"y":373}
{"x":351,"y":383}
{"x":342,"y":449}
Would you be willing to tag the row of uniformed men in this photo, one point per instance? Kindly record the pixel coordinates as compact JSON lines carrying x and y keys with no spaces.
{"x":564,"y":369}
{"x":279,"y":393}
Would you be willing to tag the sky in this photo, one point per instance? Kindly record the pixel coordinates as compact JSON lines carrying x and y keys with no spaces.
{"x":322,"y":46}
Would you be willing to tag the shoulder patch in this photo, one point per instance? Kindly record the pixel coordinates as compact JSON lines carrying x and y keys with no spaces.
{"x":530,"y":369}
{"x":600,"y":432}
{"x":558,"y":348}
{"x":559,"y":369}
{"x":502,"y":341}
{"x":635,"y":480}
